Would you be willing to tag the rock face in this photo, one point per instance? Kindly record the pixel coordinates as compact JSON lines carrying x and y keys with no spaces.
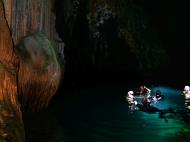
{"x":25,"y":66}
{"x":11,"y":125}
{"x":27,"y":17}
{"x":66,"y":14}
{"x":39,"y":71}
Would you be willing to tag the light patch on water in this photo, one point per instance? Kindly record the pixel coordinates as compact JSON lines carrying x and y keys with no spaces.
{"x":172,"y":98}
{"x":168,"y":126}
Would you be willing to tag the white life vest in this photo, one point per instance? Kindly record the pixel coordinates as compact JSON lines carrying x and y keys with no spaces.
{"x":187,"y":95}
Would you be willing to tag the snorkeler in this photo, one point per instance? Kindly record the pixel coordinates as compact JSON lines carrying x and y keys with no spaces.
{"x":146,"y":101}
{"x":186,"y":90}
{"x":131,"y":100}
{"x":158,"y":96}
{"x":186,"y":93}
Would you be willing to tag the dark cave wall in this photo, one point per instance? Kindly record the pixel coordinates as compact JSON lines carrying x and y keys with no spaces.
{"x":170,"y":20}
{"x":124,"y":38}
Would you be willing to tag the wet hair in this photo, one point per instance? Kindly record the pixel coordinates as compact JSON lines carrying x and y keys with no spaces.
{"x":158,"y":92}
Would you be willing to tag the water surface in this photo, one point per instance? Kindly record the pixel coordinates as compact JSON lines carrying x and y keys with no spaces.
{"x":100,"y":114}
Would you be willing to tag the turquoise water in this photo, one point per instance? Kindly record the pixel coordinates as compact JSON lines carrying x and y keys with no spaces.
{"x":100,"y":114}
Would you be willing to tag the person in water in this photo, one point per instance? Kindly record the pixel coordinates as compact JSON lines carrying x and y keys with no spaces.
{"x":159,"y":96}
{"x":186,"y":93}
{"x":131,"y":100}
{"x":146,"y":101}
{"x":143,"y":90}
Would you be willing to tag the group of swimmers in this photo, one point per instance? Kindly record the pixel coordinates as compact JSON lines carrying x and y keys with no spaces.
{"x":146,"y":98}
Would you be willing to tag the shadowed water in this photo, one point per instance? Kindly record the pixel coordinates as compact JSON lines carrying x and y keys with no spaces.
{"x":100,"y":114}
